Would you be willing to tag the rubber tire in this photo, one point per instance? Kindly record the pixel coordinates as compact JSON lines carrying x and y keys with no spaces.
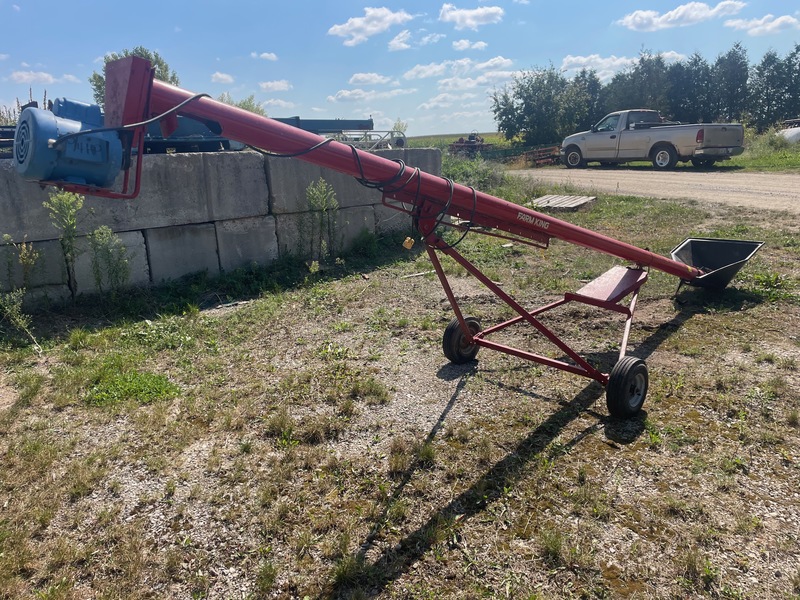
{"x":627,"y":387}
{"x":664,"y":158}
{"x":454,"y":343}
{"x":573,"y":158}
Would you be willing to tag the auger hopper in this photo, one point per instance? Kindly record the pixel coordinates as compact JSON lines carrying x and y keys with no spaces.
{"x":70,"y":148}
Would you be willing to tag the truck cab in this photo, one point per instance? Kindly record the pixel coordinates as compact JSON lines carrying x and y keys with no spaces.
{"x":605,"y":140}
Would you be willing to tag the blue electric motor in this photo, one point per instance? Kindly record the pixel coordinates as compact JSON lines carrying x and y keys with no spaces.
{"x":89,"y":159}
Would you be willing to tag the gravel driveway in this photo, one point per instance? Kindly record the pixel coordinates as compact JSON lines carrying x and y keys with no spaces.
{"x":777,"y":191}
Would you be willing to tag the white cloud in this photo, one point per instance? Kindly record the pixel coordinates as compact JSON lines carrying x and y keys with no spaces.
{"x":375,"y":20}
{"x":469,"y":83}
{"x":4,"y":56}
{"x":359,"y":95}
{"x":607,"y":66}
{"x":425,"y":71}
{"x":432,"y":38}
{"x":16,"y":7}
{"x":690,"y":13}
{"x":445,"y":100}
{"x":221,"y":78}
{"x":671,"y":56}
{"x":264,"y":55}
{"x":40,"y":77}
{"x":400,"y":41}
{"x":369,"y":79}
{"x":440,"y":101}
{"x":177,"y":29}
{"x":280,"y":85}
{"x":498,"y":62}
{"x":522,"y":1}
{"x":767,"y":25}
{"x":275,"y":103}
{"x":463,"y":116}
{"x":460,"y":66}
{"x":462,"y":45}
{"x":464,"y":18}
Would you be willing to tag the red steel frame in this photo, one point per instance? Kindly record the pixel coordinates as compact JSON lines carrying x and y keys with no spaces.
{"x":132,"y":95}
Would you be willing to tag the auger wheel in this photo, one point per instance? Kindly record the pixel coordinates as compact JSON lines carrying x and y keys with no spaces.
{"x":627,"y":387}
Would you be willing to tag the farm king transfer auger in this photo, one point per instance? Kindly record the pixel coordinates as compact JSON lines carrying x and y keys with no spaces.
{"x":76,"y":149}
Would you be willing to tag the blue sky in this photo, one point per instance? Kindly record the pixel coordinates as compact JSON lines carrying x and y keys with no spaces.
{"x":431,"y":64}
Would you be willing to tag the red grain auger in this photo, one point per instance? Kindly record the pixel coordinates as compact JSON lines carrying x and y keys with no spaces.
{"x":77,"y":149}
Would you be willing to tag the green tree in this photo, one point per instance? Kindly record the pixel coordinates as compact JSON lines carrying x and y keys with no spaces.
{"x":531,"y":107}
{"x":644,"y":84}
{"x":163,"y":70}
{"x":792,"y":66}
{"x":768,"y":86}
{"x":689,"y":90}
{"x":729,"y":79}
{"x":248,"y":103}
{"x":581,"y":105}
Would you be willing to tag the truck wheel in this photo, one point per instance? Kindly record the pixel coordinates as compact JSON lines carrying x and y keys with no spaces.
{"x":664,"y":157}
{"x":627,"y":387}
{"x":455,"y":345}
{"x":573,"y":158}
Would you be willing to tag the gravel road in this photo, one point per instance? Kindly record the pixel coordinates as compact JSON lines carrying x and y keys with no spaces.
{"x":777,"y":191}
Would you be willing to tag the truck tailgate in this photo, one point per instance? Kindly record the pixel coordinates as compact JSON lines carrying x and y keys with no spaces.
{"x":719,"y":135}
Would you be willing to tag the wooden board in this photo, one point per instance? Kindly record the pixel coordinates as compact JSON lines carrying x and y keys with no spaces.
{"x":566,"y":203}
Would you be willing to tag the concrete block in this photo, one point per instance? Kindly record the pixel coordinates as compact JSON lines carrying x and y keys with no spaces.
{"x":21,"y":210}
{"x":298,"y":234}
{"x":49,"y":268}
{"x":393,"y":154}
{"x":288,"y":179}
{"x":292,"y":233}
{"x":37,"y":298}
{"x":177,"y":251}
{"x":352,"y":222}
{"x":349,"y":192}
{"x":427,"y":159}
{"x":244,"y":242}
{"x":236,"y":184}
{"x":173,"y":192}
{"x":136,"y":253}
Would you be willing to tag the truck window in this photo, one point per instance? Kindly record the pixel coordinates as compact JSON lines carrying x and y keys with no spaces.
{"x":642,"y":116}
{"x":608,"y":124}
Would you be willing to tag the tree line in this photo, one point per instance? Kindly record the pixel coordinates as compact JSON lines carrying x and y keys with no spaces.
{"x":542,"y":106}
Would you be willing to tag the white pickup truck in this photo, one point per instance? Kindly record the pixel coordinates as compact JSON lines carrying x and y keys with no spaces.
{"x":632,"y":135}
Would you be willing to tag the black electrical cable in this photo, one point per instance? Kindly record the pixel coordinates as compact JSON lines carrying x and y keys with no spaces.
{"x":292,"y":154}
{"x":155,"y":119}
{"x":468,"y":226}
{"x":383,"y":185}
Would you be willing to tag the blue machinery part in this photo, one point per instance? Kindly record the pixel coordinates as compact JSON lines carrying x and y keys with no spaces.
{"x":42,"y":153}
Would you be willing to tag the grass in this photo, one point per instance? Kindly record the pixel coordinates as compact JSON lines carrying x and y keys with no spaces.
{"x":285,"y":433}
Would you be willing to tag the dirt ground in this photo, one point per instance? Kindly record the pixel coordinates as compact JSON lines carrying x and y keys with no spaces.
{"x":531,"y":490}
{"x":775,"y":191}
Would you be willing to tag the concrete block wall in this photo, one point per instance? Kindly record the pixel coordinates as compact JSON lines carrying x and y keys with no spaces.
{"x":211,"y":212}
